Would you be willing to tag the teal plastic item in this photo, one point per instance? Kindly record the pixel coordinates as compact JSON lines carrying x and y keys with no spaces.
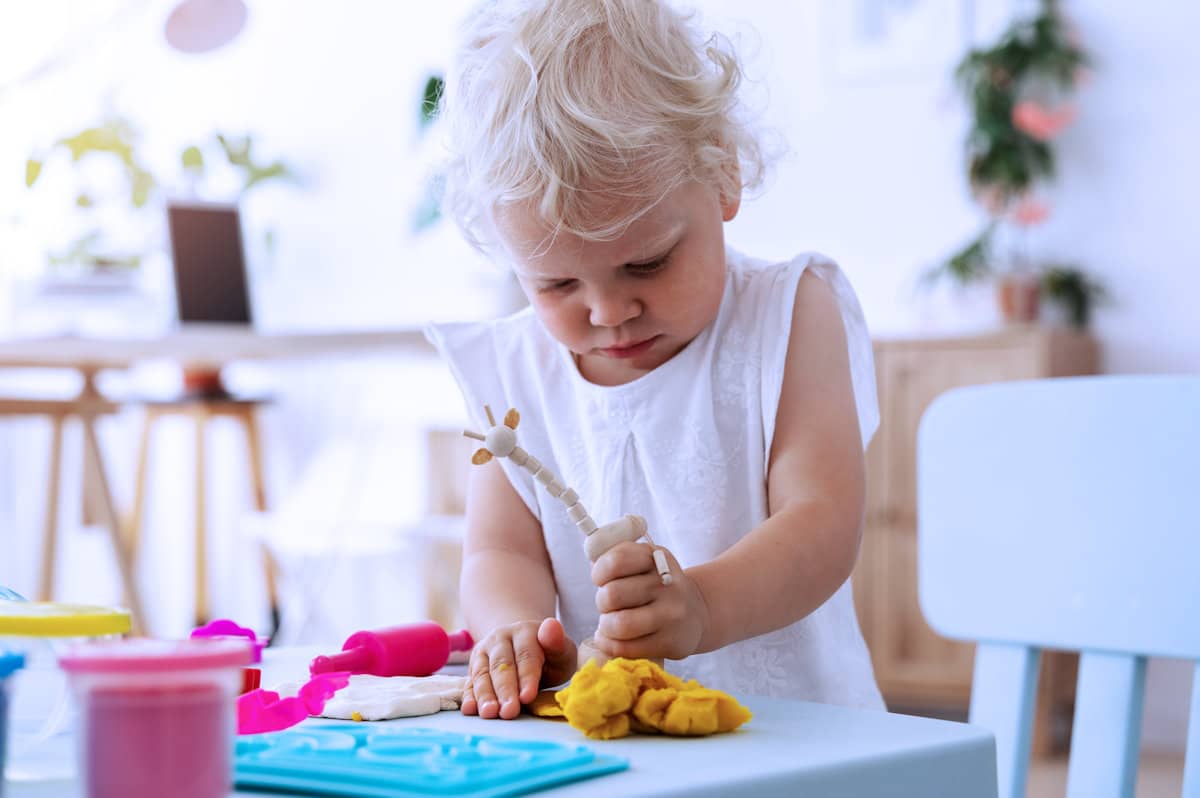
{"x":9,"y":664}
{"x":360,"y":761}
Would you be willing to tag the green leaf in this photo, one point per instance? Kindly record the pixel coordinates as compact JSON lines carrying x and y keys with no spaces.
{"x":33,"y":168}
{"x":435,"y":86}
{"x":192,"y":159}
{"x":257,"y":174}
{"x":142,"y":183}
{"x":237,"y":150}
{"x":970,"y":264}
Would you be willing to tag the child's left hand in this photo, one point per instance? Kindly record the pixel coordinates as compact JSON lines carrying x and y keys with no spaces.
{"x":639,"y":615}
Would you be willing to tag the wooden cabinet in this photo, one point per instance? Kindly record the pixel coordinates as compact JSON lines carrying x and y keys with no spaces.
{"x":918,"y":670}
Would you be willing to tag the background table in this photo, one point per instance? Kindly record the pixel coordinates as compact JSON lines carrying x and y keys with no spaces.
{"x":193,"y":347}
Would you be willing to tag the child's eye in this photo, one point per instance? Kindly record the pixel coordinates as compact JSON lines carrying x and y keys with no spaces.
{"x":644,"y":269}
{"x":558,"y":285}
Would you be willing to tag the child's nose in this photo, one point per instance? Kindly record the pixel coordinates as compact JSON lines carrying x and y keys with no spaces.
{"x":613,"y":310}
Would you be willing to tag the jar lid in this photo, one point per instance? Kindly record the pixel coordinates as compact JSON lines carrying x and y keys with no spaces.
{"x":144,"y":655}
{"x":51,"y":619}
{"x":10,"y":662}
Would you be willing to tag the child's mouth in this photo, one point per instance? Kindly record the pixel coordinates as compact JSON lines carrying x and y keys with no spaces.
{"x":632,"y":350}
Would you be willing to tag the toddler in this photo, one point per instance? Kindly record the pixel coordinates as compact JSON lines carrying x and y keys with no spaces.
{"x":597,"y":151}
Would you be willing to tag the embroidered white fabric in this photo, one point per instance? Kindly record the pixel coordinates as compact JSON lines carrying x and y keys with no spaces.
{"x":686,"y":446}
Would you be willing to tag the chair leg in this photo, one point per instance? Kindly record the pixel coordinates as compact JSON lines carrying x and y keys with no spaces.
{"x":50,"y":534}
{"x":133,"y":531}
{"x":91,"y":446}
{"x":200,"y":420}
{"x":249,"y":418}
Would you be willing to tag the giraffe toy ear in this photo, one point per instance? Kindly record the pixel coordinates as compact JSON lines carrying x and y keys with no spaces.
{"x":481,"y":456}
{"x":512,"y":418}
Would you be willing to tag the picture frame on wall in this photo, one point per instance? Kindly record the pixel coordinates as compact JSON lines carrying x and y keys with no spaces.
{"x":874,"y":41}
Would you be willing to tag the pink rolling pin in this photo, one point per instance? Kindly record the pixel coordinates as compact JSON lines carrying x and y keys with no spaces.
{"x":415,"y":649}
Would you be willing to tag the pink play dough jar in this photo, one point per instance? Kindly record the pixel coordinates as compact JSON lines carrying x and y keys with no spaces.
{"x":157,"y":718}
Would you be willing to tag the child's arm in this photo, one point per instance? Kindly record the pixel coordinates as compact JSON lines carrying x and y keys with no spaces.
{"x":507,"y":593}
{"x":794,"y":561}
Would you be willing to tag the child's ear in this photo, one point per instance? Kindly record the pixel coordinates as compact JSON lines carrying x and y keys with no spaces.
{"x":731,"y":204}
{"x":731,"y":194}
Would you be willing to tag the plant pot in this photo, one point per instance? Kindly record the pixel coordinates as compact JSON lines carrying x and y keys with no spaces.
{"x":1018,"y":297}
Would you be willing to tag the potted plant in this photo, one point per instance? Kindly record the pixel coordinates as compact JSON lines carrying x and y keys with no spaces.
{"x":117,"y":222}
{"x":1019,"y":93}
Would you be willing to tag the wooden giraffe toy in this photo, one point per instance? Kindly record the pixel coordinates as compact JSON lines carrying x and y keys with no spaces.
{"x":501,"y":441}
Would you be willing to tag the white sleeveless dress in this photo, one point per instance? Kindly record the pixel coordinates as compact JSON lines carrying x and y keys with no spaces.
{"x":686,"y":446}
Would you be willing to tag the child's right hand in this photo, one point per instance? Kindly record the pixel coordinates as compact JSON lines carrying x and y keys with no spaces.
{"x":512,"y":662}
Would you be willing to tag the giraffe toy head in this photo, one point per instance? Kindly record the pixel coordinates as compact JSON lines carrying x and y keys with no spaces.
{"x":500,"y":439}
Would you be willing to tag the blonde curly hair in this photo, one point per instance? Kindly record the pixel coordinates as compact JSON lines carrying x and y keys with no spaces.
{"x":590,"y":112}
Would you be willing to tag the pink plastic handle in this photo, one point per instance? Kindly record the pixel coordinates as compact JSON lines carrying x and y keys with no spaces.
{"x":264,"y":711}
{"x":223,"y":627}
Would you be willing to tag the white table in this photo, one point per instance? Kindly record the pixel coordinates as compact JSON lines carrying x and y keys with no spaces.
{"x":205,"y":345}
{"x":789,"y":748}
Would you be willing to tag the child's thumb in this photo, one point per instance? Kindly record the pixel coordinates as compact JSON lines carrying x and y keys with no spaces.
{"x":559,"y":649}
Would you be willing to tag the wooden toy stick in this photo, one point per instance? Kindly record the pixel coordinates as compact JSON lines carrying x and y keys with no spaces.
{"x":660,"y":559}
{"x":501,"y":441}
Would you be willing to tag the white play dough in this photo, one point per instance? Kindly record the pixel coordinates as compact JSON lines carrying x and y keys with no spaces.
{"x":387,"y":697}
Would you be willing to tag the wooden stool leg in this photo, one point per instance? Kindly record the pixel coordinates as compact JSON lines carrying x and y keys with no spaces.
{"x":91,"y":446}
{"x":200,"y":419}
{"x":254,"y":451}
{"x":50,"y":534}
{"x":133,"y":532}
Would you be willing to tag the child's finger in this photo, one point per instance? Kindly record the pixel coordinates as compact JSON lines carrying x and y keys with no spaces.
{"x":468,"y":706}
{"x":560,"y":652}
{"x":481,"y":683}
{"x":650,"y":646}
{"x":624,"y":559}
{"x":530,"y":658}
{"x":628,"y":624}
{"x":503,"y":667}
{"x":628,"y":593}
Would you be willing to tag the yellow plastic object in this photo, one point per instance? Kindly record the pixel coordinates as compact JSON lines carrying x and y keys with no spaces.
{"x":627,"y":696}
{"x":51,"y":619}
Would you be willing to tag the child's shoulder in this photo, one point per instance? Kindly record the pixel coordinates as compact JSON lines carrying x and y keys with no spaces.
{"x":759,"y":285}
{"x":499,"y":337}
{"x":747,"y":271}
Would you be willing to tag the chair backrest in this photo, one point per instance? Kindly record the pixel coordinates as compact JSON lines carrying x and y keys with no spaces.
{"x":1063,"y":514}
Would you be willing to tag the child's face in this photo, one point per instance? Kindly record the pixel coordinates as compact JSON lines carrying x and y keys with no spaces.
{"x":627,"y":306}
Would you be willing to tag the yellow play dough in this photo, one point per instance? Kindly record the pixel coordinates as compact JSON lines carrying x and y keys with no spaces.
{"x":623,"y":696}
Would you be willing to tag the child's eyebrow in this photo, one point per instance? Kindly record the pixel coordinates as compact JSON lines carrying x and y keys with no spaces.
{"x":658,"y":246}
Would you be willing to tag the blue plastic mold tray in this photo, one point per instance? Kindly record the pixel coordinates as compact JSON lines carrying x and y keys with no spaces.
{"x":404,"y":762}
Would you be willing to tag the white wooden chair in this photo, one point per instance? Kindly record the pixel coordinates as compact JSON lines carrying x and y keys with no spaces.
{"x":1062,"y":514}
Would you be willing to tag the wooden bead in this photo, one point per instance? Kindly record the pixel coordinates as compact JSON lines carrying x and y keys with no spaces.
{"x":500,"y":441}
{"x":631,"y":527}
